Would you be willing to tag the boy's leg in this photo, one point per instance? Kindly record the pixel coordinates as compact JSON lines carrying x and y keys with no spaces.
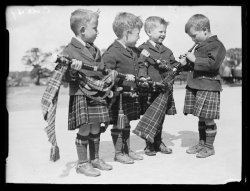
{"x":159,"y":146}
{"x":126,"y":144}
{"x":94,"y":144}
{"x":202,"y":138}
{"x":120,"y":156}
{"x":83,"y":166}
{"x":211,"y":131}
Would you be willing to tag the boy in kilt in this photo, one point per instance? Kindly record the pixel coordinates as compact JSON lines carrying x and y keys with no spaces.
{"x":155,"y":27}
{"x":85,"y":114}
{"x":121,"y":58}
{"x":204,"y":83}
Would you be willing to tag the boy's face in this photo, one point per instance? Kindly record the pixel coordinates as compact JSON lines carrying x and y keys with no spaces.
{"x":90,"y":31}
{"x":197,"y":36}
{"x":158,"y":34}
{"x":132,"y":37}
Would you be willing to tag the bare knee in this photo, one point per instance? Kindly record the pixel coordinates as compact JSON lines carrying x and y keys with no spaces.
{"x":84,"y":130}
{"x":209,"y":122}
{"x":95,"y":128}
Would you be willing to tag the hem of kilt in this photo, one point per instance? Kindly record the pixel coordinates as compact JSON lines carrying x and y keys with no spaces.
{"x":143,"y":135}
{"x":186,"y":113}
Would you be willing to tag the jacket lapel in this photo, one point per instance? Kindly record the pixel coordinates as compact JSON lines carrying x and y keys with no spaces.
{"x":82,"y":49}
{"x":122,"y":49}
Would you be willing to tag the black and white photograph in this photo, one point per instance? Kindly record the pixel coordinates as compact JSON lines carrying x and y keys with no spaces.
{"x":129,"y":94}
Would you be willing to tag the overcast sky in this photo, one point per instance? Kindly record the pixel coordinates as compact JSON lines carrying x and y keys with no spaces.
{"x":48,"y":27}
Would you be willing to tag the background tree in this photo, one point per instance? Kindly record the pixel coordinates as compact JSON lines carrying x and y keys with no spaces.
{"x":35,"y":58}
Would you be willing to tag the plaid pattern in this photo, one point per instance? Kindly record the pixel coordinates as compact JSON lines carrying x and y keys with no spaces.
{"x":83,"y":110}
{"x":50,"y":96}
{"x":201,"y":103}
{"x":101,"y":85}
{"x":130,"y":107}
{"x":171,"y":109}
{"x":49,"y":101}
{"x":151,"y":122}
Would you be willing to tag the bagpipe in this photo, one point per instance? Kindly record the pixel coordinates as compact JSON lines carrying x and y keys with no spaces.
{"x":151,"y":121}
{"x":107,"y":86}
{"x":162,"y":63}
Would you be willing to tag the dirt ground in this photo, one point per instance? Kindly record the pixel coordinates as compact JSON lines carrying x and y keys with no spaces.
{"x":29,"y":149}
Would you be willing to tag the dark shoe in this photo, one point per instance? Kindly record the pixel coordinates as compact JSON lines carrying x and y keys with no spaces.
{"x":134,"y":155}
{"x":87,"y":169}
{"x":205,"y":152}
{"x":149,"y":149}
{"x":100,"y":164}
{"x":163,"y":148}
{"x":123,"y":158}
{"x":195,"y":149}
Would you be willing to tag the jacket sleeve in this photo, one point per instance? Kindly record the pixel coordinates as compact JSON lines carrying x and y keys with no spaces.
{"x":142,"y":65}
{"x":70,"y":74}
{"x":109,"y":60}
{"x":211,"y":62}
{"x":173,"y":62}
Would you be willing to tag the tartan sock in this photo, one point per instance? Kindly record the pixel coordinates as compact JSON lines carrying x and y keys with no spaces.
{"x":202,"y":132}
{"x":81,"y":147}
{"x":211,"y":131}
{"x":126,"y":139}
{"x":94,"y":143}
{"x":117,"y":140}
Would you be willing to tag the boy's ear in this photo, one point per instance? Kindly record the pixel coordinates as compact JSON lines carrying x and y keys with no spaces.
{"x":82,"y":29}
{"x":148,"y":32}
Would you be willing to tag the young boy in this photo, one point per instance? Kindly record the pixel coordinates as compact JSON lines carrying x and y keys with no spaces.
{"x":155,"y":27}
{"x":85,"y":114}
{"x":204,"y":83}
{"x":120,"y":57}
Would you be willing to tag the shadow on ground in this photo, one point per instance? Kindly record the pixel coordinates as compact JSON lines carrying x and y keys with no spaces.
{"x":188,"y":138}
{"x":107,"y":150}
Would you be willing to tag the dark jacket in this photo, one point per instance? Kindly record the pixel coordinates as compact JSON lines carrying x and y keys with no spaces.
{"x":151,"y":69}
{"x":116,"y":57}
{"x":76,"y":50}
{"x":204,"y":72}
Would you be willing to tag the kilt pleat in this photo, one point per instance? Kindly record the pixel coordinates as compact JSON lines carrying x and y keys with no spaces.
{"x":83,"y":110}
{"x":130,"y":106}
{"x":205,"y":104}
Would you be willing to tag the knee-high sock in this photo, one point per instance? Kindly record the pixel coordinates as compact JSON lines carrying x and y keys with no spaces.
{"x":117,"y":140}
{"x":81,"y":147}
{"x":202,"y":132}
{"x":94,"y":143}
{"x":211,"y":131}
{"x":126,"y":139}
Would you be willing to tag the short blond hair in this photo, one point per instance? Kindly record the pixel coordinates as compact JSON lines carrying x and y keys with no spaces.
{"x":81,"y":17}
{"x":126,"y":21}
{"x":153,"y":21}
{"x":198,"y":22}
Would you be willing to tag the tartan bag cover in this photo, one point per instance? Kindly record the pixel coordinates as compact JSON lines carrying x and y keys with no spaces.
{"x":150,"y":123}
{"x":49,"y":101}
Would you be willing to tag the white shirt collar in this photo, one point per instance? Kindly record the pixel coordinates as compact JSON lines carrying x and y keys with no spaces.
{"x":80,"y":40}
{"x":152,"y":42}
{"x":121,"y":43}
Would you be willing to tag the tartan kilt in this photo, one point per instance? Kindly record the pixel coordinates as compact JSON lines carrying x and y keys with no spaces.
{"x":200,"y":103}
{"x":83,"y":110}
{"x":171,"y":109}
{"x":130,"y":107}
